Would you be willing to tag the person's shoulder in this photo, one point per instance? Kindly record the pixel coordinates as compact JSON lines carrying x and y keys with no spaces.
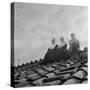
{"x":56,"y":46}
{"x":70,"y":41}
{"x":65,"y":42}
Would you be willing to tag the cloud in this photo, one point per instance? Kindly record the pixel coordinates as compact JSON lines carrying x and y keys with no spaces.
{"x":37,"y":24}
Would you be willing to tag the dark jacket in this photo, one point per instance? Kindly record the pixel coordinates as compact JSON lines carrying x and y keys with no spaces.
{"x":61,"y":53}
{"x":50,"y":56}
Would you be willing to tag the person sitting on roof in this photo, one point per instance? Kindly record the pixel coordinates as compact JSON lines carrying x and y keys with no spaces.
{"x":74,"y":45}
{"x":50,"y":54}
{"x":61,"y":52}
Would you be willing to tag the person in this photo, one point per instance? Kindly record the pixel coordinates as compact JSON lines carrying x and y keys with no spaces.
{"x":50,"y":54}
{"x":61,"y":52}
{"x":74,"y":45}
{"x":84,"y":55}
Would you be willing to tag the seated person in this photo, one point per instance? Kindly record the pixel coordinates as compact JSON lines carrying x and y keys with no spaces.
{"x":84,"y":55}
{"x":50,"y":55}
{"x":74,"y":45}
{"x":61,"y":53}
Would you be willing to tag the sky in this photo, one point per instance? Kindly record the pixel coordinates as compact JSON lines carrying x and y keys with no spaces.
{"x":37,"y":24}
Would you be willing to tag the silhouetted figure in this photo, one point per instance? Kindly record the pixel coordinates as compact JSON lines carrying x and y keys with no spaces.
{"x":74,"y":45}
{"x":50,"y":56}
{"x":84,"y":55}
{"x":61,"y":52}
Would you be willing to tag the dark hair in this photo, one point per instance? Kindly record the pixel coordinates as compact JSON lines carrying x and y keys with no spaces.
{"x":72,"y":34}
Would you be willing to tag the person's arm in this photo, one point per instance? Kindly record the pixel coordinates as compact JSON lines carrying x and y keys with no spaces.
{"x":56,"y":46}
{"x":69,"y":43}
{"x":64,"y":47}
{"x":78,"y":42}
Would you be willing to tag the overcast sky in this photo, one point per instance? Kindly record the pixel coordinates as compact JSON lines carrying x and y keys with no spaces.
{"x":37,"y":24}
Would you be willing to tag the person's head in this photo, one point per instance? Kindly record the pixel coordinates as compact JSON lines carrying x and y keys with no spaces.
{"x":72,"y":35}
{"x":62,"y":39}
{"x":53,"y":41}
{"x":85,"y":49}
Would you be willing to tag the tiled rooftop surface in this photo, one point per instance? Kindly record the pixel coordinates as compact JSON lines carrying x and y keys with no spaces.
{"x":71,"y":71}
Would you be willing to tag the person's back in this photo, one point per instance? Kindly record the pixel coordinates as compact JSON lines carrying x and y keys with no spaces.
{"x":61,"y":52}
{"x":50,"y":54}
